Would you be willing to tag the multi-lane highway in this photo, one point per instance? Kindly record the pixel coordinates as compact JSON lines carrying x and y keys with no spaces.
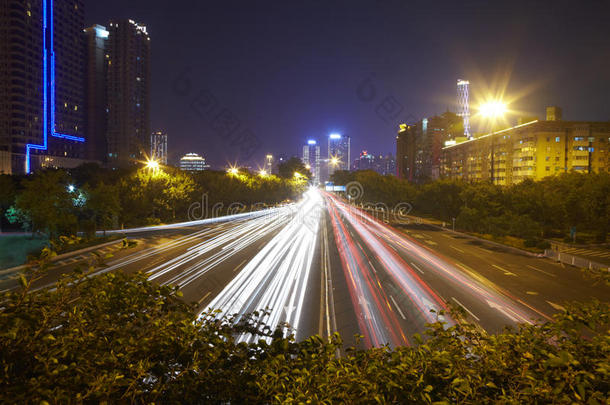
{"x":322,"y":265}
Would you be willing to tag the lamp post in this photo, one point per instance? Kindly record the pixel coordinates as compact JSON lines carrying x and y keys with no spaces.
{"x":492,"y":110}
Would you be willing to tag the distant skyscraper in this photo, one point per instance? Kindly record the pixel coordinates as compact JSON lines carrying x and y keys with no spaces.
{"x":463,"y":93}
{"x":338,"y":153}
{"x":128,"y":92}
{"x":384,"y":165}
{"x":95,"y":87}
{"x":193,"y":162}
{"x":158,"y":147}
{"x":41,"y":83}
{"x":311,"y":158}
{"x":268,"y":164}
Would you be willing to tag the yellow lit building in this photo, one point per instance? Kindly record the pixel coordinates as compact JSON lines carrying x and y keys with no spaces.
{"x":534,"y":149}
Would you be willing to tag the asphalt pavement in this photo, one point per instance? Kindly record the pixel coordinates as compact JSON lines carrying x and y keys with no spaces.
{"x":322,"y":266}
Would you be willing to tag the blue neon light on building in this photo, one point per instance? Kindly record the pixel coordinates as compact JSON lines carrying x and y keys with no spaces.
{"x":48,"y":86}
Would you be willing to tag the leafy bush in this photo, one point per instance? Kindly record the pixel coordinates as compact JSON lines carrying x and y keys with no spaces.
{"x":119,"y":338}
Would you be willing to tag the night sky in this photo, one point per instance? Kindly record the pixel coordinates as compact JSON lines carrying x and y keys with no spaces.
{"x":288,"y":71}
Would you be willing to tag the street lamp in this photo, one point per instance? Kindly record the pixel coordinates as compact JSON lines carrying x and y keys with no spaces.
{"x":493,"y":109}
{"x":233,"y":171}
{"x":262,"y":173}
{"x":152,"y":165}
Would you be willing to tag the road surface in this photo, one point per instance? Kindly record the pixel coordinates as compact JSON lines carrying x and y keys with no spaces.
{"x":323,"y":266}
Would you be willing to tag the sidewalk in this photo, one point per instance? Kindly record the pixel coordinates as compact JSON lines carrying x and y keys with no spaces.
{"x":599,"y":254}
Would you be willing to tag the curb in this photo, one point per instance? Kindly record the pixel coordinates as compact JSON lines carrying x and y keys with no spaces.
{"x":62,"y":256}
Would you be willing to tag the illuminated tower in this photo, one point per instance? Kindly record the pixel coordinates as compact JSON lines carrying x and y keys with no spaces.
{"x":268,"y":164}
{"x":464,"y":106}
{"x":158,"y":147}
{"x":338,"y":153}
{"x":311,"y":159}
{"x":41,"y":83}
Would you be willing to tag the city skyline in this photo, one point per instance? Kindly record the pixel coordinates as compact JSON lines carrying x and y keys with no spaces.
{"x":269,"y":102}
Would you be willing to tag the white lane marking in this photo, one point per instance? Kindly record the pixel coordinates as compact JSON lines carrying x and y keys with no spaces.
{"x":398,"y":308}
{"x":417,"y":268}
{"x":466,"y":309}
{"x":204,"y":297}
{"x":542,"y":271}
{"x":458,"y":249}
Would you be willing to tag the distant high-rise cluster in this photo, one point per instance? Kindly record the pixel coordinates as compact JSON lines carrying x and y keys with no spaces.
{"x":382,"y":164}
{"x":68,"y":94}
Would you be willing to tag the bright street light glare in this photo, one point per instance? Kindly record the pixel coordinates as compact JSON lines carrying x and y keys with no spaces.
{"x":262,"y":172}
{"x":233,"y":170}
{"x":152,"y":164}
{"x":493,"y":109}
{"x":334,"y":161}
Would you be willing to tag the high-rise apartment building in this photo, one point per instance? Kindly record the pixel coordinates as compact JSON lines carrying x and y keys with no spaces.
{"x":96,"y":38}
{"x":338,"y":153}
{"x":531,"y":150}
{"x":128,"y":92}
{"x":311,"y":159}
{"x":419,"y":146}
{"x":158,"y":147}
{"x":42,"y":121}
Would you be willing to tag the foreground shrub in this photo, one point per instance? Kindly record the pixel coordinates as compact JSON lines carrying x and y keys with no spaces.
{"x":119,"y":338}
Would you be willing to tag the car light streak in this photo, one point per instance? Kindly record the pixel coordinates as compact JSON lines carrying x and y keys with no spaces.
{"x":277,"y":276}
{"x":376,"y":319}
{"x":378,"y":236}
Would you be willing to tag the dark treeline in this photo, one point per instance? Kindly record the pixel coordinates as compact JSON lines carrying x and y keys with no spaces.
{"x":89,"y":198}
{"x":531,"y":210}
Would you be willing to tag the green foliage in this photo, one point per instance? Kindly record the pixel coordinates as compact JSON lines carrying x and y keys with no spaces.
{"x":119,"y":338}
{"x":46,"y":201}
{"x":106,"y":199}
{"x":293,"y":165}
{"x":529,"y":210}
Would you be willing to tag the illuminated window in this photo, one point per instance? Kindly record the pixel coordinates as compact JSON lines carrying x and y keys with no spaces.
{"x":557,"y":139}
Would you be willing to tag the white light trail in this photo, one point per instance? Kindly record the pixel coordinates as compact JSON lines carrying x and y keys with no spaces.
{"x":277,"y":277}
